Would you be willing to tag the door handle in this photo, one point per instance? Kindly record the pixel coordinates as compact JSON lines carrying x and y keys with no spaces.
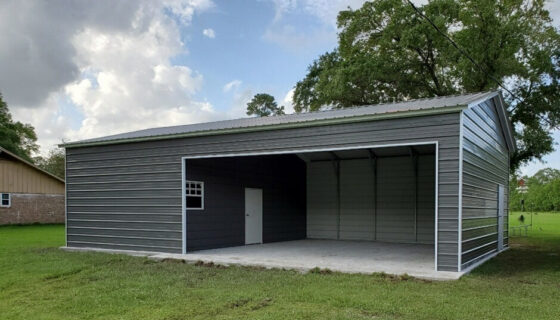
{"x":247,"y":214}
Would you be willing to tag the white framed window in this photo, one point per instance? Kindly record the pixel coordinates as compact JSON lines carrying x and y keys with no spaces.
{"x":194,"y":193}
{"x":5,"y":200}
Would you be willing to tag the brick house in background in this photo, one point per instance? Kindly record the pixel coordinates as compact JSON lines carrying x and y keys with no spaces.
{"x":28,"y":194}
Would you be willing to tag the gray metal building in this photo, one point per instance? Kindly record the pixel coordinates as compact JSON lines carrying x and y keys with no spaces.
{"x":432,"y":171}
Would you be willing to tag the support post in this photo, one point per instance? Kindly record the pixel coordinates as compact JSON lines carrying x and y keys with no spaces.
{"x":414,"y":157}
{"x":336,"y":165}
{"x":373,"y":160}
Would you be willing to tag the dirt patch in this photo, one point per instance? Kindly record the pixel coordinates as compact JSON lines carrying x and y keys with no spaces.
{"x":262,"y":304}
{"x":210,"y":264}
{"x":176,"y":261}
{"x":238,"y":303}
{"x":318,"y":270}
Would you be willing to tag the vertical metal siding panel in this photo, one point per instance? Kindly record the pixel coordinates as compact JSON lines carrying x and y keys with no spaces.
{"x":395,"y":218}
{"x":17,"y":177}
{"x":356,"y":193}
{"x":486,"y":164}
{"x":321,"y":201}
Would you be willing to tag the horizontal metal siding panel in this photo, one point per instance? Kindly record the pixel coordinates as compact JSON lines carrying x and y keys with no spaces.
{"x":130,"y":177}
{"x":471,"y":138}
{"x":117,"y":246}
{"x":126,"y":193}
{"x":479,"y":222}
{"x":152,"y":201}
{"x":125,"y":185}
{"x":443,"y":128}
{"x":473,"y":124}
{"x":338,"y":140}
{"x":478,"y":150}
{"x":126,"y":232}
{"x":487,"y":112}
{"x":483,"y":170}
{"x":305,"y":140}
{"x":475,"y":255}
{"x":153,"y":168}
{"x":110,"y":208}
{"x":272,"y":136}
{"x":485,"y":166}
{"x":143,"y":241}
{"x":123,"y":224}
{"x":92,"y":162}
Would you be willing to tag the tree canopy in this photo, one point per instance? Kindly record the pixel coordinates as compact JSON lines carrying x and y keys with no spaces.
{"x":543,"y":191}
{"x":54,"y":162}
{"x":386,"y":51}
{"x":16,"y":137}
{"x":264,"y":105}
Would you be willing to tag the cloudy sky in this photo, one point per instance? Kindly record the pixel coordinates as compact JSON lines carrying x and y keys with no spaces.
{"x":82,"y":69}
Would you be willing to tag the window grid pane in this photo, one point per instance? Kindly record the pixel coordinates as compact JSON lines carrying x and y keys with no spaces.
{"x":194,"y":194}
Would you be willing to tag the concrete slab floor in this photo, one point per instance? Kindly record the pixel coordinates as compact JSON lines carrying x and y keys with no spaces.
{"x":364,"y":257}
{"x":343,"y":256}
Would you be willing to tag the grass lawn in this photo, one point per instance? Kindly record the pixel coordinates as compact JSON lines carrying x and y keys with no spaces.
{"x":39,"y":281}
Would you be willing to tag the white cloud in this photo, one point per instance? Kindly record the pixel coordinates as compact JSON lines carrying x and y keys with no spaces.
{"x":209,"y":33}
{"x":232,"y":85}
{"x":287,"y":102}
{"x":112,"y":64}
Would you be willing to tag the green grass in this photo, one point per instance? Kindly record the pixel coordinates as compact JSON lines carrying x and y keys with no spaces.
{"x":40,"y":281}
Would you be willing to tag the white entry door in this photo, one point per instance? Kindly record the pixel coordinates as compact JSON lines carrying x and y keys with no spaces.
{"x":253,"y":215}
{"x":501,"y":195}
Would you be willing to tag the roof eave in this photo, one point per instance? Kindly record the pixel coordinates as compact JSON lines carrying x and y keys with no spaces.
{"x":372,"y":117}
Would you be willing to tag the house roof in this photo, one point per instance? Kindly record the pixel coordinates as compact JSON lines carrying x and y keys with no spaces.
{"x":409,"y":108}
{"x":4,"y":152}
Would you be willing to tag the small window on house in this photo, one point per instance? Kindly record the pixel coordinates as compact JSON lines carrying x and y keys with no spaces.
{"x":5,"y":200}
{"x":194,"y":191}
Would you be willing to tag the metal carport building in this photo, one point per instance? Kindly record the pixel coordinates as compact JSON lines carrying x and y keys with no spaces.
{"x":428,"y":171}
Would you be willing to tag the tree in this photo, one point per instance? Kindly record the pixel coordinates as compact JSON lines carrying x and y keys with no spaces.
{"x":53,"y":163}
{"x":543,"y":192}
{"x":16,"y":137}
{"x":386,"y":51}
{"x":264,"y":105}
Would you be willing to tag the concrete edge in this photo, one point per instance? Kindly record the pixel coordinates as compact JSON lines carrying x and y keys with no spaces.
{"x":110,"y":251}
{"x":192,"y":259}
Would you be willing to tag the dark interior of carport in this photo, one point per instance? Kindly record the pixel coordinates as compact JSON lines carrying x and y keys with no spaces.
{"x":384,"y":194}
